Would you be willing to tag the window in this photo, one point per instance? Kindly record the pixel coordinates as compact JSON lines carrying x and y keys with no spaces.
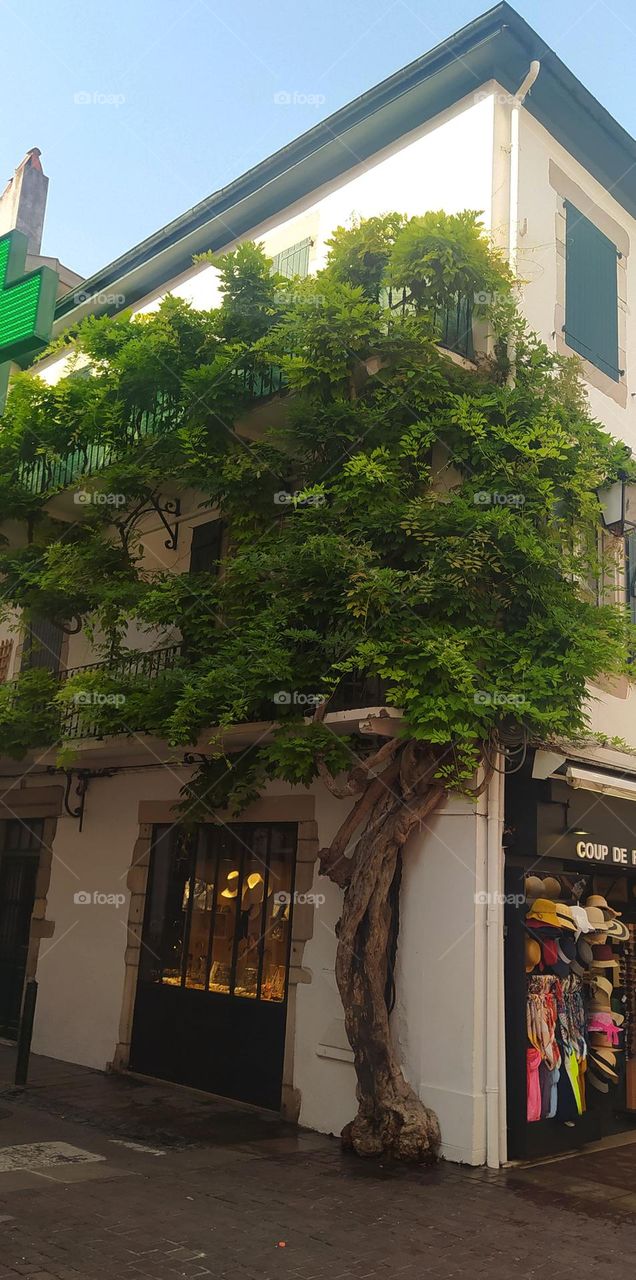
{"x":206,"y":547}
{"x":43,"y":645}
{"x":218,"y":911}
{"x":591,"y":293}
{"x":293,"y":261}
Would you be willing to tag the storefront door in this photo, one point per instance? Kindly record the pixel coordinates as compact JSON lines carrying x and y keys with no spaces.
{"x":19,"y":855}
{"x":212,"y":990}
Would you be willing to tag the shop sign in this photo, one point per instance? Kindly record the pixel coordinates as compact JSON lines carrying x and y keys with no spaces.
{"x":612,"y":855}
{"x":27,"y":306}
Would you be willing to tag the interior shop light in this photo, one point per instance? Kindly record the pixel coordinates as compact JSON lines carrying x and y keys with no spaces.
{"x":588,"y":780}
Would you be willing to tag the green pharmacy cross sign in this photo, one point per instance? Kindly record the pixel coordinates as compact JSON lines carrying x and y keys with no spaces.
{"x":27,"y":306}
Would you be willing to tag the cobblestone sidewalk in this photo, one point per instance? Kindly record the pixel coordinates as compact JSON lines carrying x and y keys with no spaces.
{"x":159,"y":1183}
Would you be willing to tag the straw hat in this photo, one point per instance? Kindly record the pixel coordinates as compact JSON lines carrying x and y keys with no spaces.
{"x":597,"y":900}
{"x":533,"y":954}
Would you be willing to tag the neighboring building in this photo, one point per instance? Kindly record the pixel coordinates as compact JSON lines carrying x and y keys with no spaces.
{"x":23,"y":208}
{"x":556,"y":180}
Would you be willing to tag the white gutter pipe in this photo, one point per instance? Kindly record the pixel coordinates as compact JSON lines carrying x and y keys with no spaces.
{"x":495,"y":1033}
{"x":513,"y":208}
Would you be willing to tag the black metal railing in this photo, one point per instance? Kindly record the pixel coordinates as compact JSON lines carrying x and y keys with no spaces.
{"x":453,"y":322}
{"x":79,"y":720}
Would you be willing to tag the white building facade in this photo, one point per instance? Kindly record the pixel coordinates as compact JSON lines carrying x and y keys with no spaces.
{"x":447,"y":133}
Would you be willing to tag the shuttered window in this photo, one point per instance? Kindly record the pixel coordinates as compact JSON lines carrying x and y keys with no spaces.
{"x":205,"y":551}
{"x":293,"y":261}
{"x":591,"y":293}
{"x":43,"y":645}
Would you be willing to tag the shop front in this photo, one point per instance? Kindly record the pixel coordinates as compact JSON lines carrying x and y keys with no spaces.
{"x":570,"y":958}
{"x":211,"y":1002}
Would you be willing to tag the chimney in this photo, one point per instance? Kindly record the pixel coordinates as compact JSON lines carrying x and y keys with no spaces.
{"x":23,"y":201}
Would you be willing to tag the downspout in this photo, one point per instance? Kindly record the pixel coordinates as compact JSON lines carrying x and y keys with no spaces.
{"x":513,"y":207}
{"x":495,"y":1045}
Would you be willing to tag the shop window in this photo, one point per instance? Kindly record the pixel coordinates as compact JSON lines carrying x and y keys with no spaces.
{"x":206,"y":547}
{"x":218,"y":911}
{"x":591,"y":293}
{"x":293,"y":261}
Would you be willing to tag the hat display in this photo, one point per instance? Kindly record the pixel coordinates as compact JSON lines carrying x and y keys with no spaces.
{"x":580,"y":958}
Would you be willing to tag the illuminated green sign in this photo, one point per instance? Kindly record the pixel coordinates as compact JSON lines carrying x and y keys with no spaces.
{"x":27,"y":305}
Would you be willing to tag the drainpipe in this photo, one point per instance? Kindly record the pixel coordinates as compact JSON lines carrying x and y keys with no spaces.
{"x":513,"y":208}
{"x":495,"y":1047}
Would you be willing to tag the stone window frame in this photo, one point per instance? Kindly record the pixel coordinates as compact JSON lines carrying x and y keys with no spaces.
{"x":297,"y":809}
{"x":24,"y":804}
{"x":567,"y":189}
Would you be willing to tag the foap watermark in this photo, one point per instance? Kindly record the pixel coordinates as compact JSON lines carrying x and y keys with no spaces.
{"x":93,"y":698}
{"x":98,"y":899}
{"x":484,"y":899}
{"x":298,"y":499}
{"x":295,"y":698}
{"x":486,"y":297}
{"x":284,"y":899}
{"x":502,"y":99}
{"x":97,"y":498}
{"x":100,"y":299}
{"x":284,"y":296}
{"x":94,"y":98}
{"x":498,"y":698}
{"x":486,"y":498}
{"x":295,"y":98}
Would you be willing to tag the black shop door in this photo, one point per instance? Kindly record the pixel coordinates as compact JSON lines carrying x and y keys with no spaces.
{"x":19,"y":856}
{"x":212,"y":990}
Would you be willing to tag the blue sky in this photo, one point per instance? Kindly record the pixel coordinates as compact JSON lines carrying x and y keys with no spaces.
{"x":182,"y":94}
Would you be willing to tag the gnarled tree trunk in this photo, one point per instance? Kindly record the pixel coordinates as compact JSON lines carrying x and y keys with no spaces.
{"x":391,"y":1120}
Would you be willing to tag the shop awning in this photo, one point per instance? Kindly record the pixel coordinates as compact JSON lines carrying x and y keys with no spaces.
{"x":605,"y":783}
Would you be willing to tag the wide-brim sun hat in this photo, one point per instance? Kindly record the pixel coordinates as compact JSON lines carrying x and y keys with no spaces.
{"x":616,"y":930}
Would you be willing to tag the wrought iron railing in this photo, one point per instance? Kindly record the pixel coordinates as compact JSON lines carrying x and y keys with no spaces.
{"x":76,"y":720}
{"x":453,"y":322}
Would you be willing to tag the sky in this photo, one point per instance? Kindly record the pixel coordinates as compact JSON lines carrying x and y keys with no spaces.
{"x":141,"y":108}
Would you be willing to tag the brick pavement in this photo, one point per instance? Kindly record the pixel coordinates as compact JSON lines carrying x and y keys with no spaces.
{"x":228,"y":1192}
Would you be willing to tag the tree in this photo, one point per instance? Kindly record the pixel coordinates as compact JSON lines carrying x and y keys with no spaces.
{"x":410,"y":519}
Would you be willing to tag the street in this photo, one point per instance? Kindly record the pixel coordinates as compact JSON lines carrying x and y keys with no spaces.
{"x":107,"y":1176}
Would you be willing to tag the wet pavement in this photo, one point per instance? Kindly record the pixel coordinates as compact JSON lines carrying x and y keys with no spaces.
{"x":110,"y":1176}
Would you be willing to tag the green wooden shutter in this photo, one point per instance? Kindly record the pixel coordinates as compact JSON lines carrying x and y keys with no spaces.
{"x":591,"y":293}
{"x":293,"y":261}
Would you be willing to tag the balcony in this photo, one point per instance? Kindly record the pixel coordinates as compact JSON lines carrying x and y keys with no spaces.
{"x":50,"y":475}
{"x":139,"y":668}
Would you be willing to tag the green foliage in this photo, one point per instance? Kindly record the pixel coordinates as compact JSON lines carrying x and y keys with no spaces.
{"x":402,"y":519}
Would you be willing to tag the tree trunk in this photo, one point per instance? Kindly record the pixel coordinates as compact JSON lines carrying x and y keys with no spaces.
{"x":391,"y":1120}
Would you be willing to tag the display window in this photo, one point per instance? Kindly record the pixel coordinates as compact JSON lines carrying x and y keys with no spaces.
{"x":570,"y":951}
{"x":211,"y":1002}
{"x":218,"y":912}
